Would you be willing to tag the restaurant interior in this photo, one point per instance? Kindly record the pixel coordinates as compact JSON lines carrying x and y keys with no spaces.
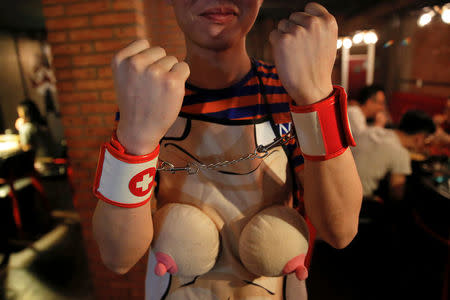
{"x":55,"y":61}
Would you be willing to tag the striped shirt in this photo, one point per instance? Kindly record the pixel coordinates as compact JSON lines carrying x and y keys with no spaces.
{"x":244,"y":101}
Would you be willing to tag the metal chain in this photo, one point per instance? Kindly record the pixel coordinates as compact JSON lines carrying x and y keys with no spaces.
{"x":260,"y":152}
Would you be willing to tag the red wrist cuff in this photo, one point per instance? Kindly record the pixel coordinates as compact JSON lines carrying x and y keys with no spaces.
{"x":124,"y":180}
{"x":323,"y":129}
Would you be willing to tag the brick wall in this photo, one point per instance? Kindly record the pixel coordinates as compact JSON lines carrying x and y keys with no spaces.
{"x":163,"y":29}
{"x":84,"y":36}
{"x":431,"y":59}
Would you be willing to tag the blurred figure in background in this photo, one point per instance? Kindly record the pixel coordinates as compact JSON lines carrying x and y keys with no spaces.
{"x":34,"y":134}
{"x":370,"y":105}
{"x":439,"y":142}
{"x":386,"y":152}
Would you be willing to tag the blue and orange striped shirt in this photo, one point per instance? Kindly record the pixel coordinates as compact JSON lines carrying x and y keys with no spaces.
{"x":244,"y":101}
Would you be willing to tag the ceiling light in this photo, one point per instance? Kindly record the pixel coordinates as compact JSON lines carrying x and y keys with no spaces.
{"x":370,"y":37}
{"x":347,"y":43}
{"x":339,"y":43}
{"x":425,"y":18}
{"x":358,"y":37}
{"x":445,"y":15}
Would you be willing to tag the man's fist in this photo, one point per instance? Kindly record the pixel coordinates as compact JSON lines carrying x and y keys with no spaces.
{"x":150,"y":91}
{"x":304,"y":48}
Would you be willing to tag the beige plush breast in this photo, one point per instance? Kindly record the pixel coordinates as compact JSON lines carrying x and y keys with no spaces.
{"x":271,"y":239}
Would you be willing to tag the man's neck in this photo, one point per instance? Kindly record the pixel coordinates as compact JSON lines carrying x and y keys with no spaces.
{"x":217,"y":69}
{"x":404,"y":139}
{"x":365,"y":111}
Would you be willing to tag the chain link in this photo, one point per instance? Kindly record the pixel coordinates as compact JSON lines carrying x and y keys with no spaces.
{"x":261,"y":152}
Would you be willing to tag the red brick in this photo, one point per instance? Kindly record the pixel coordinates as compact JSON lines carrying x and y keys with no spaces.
{"x":105,"y":72}
{"x":56,"y":37}
{"x":70,"y":121}
{"x":67,"y":23}
{"x":71,"y":48}
{"x":78,"y":97}
{"x":99,"y":131}
{"x":110,"y":121}
{"x":82,"y":121}
{"x":83,"y":154}
{"x":91,"y":34}
{"x":62,"y":61}
{"x":85,"y":73}
{"x":95,"y":120}
{"x":69,"y":132}
{"x":65,"y":86}
{"x":175,"y":37}
{"x":126,"y":32}
{"x":100,"y":84}
{"x":103,"y":46}
{"x":87,"y":8}
{"x":108,"y":96}
{"x":127,"y":5}
{"x":108,"y":108}
{"x":114,"y":19}
{"x":53,"y":11}
{"x":90,"y":139}
{"x":70,"y":110}
{"x":93,"y":60}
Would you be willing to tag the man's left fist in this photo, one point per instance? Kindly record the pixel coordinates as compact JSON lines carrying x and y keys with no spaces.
{"x":304,"y":48}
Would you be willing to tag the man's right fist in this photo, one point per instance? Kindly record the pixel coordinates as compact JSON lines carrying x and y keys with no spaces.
{"x":150,"y":89}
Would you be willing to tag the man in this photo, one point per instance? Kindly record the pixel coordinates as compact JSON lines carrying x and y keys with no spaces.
{"x":230,"y":104}
{"x":370,"y":105}
{"x":382,"y":152}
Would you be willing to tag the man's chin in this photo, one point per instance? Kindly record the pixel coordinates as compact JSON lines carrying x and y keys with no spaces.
{"x":217,"y":46}
{"x":213,"y":39}
{"x":219,"y":43}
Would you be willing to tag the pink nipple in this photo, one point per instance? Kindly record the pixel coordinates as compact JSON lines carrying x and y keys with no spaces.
{"x":160,"y":269}
{"x":301,"y":272}
{"x":165,"y":264}
{"x":297,"y":265}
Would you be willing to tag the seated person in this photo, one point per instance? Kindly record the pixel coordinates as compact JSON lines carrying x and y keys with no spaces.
{"x":370,"y":105}
{"x":439,"y":142}
{"x":34,"y":134}
{"x":383,"y":151}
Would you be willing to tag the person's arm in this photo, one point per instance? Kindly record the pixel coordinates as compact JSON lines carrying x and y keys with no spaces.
{"x":397,"y":186}
{"x":123,"y":235}
{"x":150,"y":90}
{"x":357,"y":121}
{"x":399,"y":169}
{"x":304,"y":52}
{"x":26,"y":132}
{"x":333,"y":195}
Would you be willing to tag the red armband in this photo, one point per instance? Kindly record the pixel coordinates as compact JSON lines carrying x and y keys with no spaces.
{"x":323,"y":129}
{"x":124,"y":180}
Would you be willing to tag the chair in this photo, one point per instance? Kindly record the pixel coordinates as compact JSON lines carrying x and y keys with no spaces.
{"x":14,"y":168}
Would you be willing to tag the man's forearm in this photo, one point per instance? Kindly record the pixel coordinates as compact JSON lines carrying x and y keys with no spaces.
{"x":122,"y":234}
{"x":333,"y":196}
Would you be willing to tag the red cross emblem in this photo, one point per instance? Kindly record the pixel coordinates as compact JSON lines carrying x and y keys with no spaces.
{"x":141,"y":184}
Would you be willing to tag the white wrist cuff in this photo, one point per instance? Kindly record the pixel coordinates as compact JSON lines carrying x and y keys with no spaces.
{"x":323,"y":129}
{"x":125,"y":180}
